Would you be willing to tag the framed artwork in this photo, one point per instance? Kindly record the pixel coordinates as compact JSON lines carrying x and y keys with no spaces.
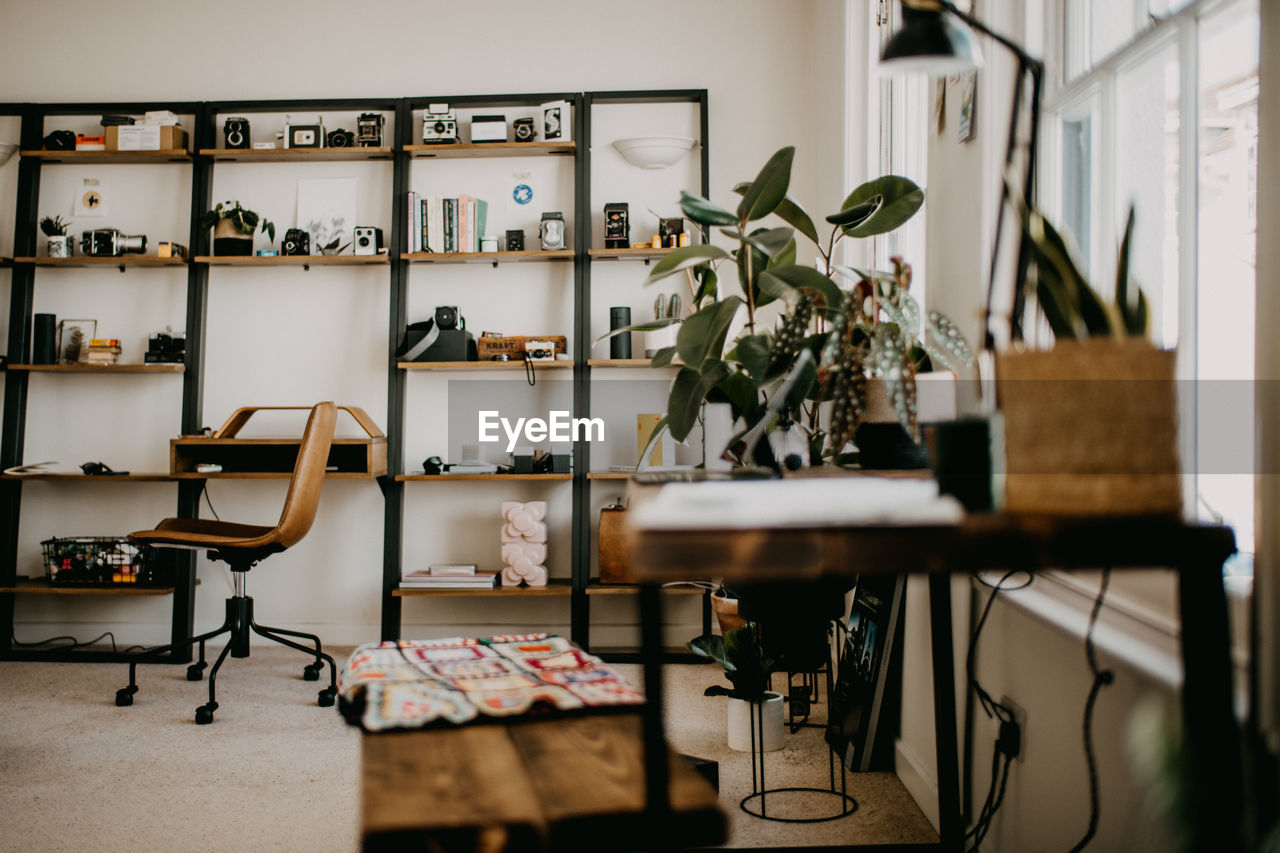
{"x":968,"y":94}
{"x":73,"y":340}
{"x":327,"y":212}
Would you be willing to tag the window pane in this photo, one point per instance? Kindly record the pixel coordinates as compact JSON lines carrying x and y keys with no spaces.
{"x":1147,"y":162}
{"x":1110,"y":26}
{"x":1228,"y":129}
{"x":1077,"y":182}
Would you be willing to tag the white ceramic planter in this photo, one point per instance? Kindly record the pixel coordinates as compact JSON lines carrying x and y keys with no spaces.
{"x":740,"y":723}
{"x":61,"y":247}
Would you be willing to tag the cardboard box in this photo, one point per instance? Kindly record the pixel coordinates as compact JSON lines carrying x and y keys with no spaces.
{"x":513,"y":345}
{"x":145,"y":137}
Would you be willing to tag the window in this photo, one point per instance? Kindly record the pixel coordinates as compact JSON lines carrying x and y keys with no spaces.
{"x":1156,"y":106}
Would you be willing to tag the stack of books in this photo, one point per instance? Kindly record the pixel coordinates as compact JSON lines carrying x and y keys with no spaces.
{"x":104,"y":350}
{"x":446,"y":224}
{"x":449,"y":576}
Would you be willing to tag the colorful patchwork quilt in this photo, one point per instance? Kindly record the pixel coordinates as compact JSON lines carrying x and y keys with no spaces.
{"x":411,"y":684}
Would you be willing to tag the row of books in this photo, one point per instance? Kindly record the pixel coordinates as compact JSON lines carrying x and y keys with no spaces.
{"x":103,"y":351}
{"x":449,"y":576}
{"x":446,"y":224}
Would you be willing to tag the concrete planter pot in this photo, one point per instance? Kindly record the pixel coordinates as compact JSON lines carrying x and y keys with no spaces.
{"x":740,"y":712}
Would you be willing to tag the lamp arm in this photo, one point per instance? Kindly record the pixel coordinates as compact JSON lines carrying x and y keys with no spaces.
{"x":1024,"y":57}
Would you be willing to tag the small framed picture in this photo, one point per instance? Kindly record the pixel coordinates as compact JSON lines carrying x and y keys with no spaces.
{"x":73,"y":340}
{"x":968,"y":105}
{"x":556,"y":125}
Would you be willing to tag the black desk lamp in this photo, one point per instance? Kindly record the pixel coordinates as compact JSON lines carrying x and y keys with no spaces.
{"x":936,"y":39}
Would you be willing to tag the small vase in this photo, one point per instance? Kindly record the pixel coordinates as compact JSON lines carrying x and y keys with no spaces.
{"x":740,"y":712}
{"x":228,"y":241}
{"x":62,"y":246}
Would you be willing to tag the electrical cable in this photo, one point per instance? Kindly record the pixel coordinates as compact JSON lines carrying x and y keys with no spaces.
{"x":74,"y":643}
{"x":1101,"y":678}
{"x":204,"y":490}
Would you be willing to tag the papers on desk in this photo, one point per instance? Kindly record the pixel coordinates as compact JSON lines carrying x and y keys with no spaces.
{"x":800,"y":502}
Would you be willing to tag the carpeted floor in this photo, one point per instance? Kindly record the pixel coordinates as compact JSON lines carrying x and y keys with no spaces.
{"x":277,"y":773}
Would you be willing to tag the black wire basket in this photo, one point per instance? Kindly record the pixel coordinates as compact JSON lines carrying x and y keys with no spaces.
{"x":103,"y":561}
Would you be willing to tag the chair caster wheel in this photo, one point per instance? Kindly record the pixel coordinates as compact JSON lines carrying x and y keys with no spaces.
{"x":312,"y":672}
{"x":204,"y":715}
{"x":196,"y":671}
{"x":124,"y":696}
{"x":326,"y":697}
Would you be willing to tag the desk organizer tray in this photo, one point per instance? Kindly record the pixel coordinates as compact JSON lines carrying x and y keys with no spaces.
{"x":102,"y":561}
{"x":413,"y":684}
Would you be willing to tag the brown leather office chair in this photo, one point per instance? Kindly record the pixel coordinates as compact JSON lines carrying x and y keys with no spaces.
{"x":242,"y":546}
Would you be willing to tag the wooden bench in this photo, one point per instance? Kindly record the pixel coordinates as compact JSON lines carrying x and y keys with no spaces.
{"x":575,"y":783}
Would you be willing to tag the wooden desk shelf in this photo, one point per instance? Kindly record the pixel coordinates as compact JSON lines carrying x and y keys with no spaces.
{"x":494,"y":258}
{"x":482,"y":365}
{"x":271,"y":458}
{"x":99,"y":368}
{"x":173,"y":155}
{"x":68,"y":477}
{"x":645,"y":253}
{"x":121,"y":262}
{"x":41,"y":586}
{"x":445,"y":478}
{"x":555,"y":587}
{"x":279,"y":155}
{"x":492,"y":149}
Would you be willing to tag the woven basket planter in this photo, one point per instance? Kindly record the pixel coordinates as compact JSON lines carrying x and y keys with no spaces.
{"x":1091,"y":428}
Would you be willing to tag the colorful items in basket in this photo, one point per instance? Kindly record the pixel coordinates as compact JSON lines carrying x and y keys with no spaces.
{"x":413,"y":684}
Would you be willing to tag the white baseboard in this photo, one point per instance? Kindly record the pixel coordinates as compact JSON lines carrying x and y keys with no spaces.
{"x":919,"y":783}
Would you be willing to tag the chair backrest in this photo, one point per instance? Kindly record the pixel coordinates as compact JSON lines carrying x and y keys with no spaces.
{"x":303,"y":499}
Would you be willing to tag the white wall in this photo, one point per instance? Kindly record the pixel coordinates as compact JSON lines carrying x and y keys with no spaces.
{"x":774,"y":73}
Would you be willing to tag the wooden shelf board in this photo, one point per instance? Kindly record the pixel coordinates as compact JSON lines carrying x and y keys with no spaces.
{"x":292,"y":260}
{"x":643,"y":363}
{"x":481,"y":365}
{"x":99,"y":368}
{"x":444,"y":478}
{"x":554,"y":587}
{"x":491,"y":149}
{"x":41,"y":586}
{"x":123,"y":261}
{"x":170,"y":155}
{"x":646,"y":253}
{"x":271,"y":475}
{"x":156,"y":477}
{"x":276,"y":155}
{"x":609,"y":475}
{"x":597,"y":588}
{"x":486,"y":257}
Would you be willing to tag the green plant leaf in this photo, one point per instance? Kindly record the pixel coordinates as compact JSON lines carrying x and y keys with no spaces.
{"x":759,"y":263}
{"x":805,"y":381}
{"x":701,"y":336}
{"x":857,"y":214}
{"x":790,"y":212}
{"x":946,"y":345}
{"x":704,"y":212}
{"x":797,"y":277}
{"x":707,"y":280}
{"x":742,"y":392}
{"x":685,"y":257}
{"x":269,"y":228}
{"x":752,"y":353}
{"x":663,"y":357}
{"x":1135,"y":313}
{"x":786,"y":257}
{"x":769,"y":188}
{"x":771,"y":241}
{"x":688,"y":392}
{"x":647,"y":326}
{"x":654,"y":434}
{"x":900,"y":198}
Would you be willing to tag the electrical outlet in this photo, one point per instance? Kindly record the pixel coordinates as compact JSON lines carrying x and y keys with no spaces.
{"x":1019,"y":717}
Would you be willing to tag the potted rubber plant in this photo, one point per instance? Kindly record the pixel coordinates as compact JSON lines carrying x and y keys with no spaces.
{"x":59,"y":243}
{"x":741,"y":653}
{"x":234,"y":226}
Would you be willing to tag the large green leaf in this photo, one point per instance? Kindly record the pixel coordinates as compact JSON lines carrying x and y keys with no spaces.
{"x":797,"y":277}
{"x":769,"y":188}
{"x":786,"y":257}
{"x":856,"y":214}
{"x":771,"y":241}
{"x":752,"y":353}
{"x":807,"y":378}
{"x":759,"y":263}
{"x":705,"y":212}
{"x":701,"y":336}
{"x":1135,"y":314}
{"x":685,"y":257}
{"x":647,"y":326}
{"x":790,"y":212}
{"x":658,"y":429}
{"x":899,"y":199}
{"x":688,"y":392}
{"x":742,"y":393}
{"x":707,"y":280}
{"x":663,"y":357}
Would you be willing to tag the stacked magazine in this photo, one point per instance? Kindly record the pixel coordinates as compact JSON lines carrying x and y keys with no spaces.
{"x":449,"y":576}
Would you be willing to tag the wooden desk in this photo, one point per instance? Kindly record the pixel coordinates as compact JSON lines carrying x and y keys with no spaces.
{"x":1196,"y":552}
{"x":558,"y":785}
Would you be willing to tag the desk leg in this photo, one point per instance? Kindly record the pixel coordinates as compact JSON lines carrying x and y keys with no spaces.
{"x":944,"y":711}
{"x":1209,"y":727}
{"x":655,"y":746}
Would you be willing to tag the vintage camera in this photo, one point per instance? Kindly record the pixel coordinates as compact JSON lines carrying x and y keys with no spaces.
{"x":235,"y":132}
{"x":515,"y":241}
{"x":551,"y":230}
{"x":295,"y":242}
{"x":110,"y":243}
{"x":617,"y":227}
{"x":368,"y":240}
{"x":170,"y":249}
{"x":60,"y":140}
{"x":489,"y":129}
{"x":523,"y":130}
{"x":540,"y":350}
{"x":447,"y":317}
{"x":164,"y":348}
{"x":442,"y":338}
{"x":340,"y":139}
{"x":303,"y":135}
{"x":369,"y":130}
{"x":439,"y":125}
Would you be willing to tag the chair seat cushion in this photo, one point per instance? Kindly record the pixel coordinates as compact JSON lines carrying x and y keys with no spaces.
{"x":205,"y":533}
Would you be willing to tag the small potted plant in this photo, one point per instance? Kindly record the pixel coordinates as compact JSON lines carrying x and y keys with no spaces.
{"x":60,"y":244}
{"x":741,"y":652}
{"x":233,"y":228}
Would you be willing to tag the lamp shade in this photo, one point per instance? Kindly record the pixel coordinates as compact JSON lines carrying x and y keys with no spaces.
{"x":934,"y":42}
